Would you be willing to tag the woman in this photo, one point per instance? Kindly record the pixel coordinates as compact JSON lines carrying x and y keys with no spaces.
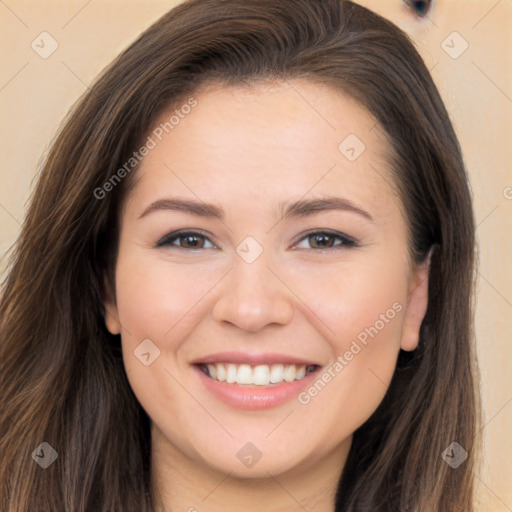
{"x":244,"y":281}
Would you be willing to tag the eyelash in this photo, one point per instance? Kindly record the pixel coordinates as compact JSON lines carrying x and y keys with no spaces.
{"x":346,"y":242}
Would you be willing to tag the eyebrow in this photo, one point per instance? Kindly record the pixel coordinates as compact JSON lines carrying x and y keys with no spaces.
{"x":300,"y":208}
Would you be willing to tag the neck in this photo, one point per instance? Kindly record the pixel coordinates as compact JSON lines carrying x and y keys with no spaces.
{"x":184,"y":484}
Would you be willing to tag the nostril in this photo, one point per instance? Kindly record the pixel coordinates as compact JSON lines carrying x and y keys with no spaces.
{"x":419,"y":7}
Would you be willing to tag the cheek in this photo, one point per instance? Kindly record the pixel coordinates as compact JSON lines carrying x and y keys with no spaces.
{"x":341,"y":306}
{"x":163,"y":303}
{"x":156,"y":298}
{"x":363,"y":300}
{"x":361,"y":309}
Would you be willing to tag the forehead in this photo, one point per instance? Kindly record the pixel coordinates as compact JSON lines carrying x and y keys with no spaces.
{"x":266,"y":142}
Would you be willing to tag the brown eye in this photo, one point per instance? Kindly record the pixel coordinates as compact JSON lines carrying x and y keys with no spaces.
{"x":192,"y":241}
{"x":327,"y":240}
{"x":420,"y":8}
{"x":186,"y":240}
{"x":321,"y":241}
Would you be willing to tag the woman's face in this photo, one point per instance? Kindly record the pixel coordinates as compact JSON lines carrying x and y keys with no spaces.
{"x":293,"y":257}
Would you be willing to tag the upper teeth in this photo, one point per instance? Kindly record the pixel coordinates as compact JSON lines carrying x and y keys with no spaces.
{"x":260,"y":375}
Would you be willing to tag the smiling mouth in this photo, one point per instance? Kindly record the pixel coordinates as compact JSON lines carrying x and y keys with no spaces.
{"x":257,"y":375}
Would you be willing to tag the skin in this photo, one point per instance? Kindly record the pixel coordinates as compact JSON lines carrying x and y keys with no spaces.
{"x":246,"y":150}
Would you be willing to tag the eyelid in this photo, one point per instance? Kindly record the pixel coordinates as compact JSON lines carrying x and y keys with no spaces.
{"x":347,"y":241}
{"x":171,"y":237}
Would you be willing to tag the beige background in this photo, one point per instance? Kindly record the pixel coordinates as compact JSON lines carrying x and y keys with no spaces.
{"x":35,"y":94}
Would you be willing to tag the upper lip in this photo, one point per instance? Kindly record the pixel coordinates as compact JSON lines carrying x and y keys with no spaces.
{"x":252,"y":359}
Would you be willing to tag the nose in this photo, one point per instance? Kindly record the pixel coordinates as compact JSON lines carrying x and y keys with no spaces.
{"x":252,"y":296}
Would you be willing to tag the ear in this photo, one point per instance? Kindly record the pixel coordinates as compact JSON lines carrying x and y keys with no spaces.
{"x":111,"y":316}
{"x":416,"y":306}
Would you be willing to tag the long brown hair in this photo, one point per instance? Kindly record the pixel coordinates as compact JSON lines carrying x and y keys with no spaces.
{"x":63,"y":380}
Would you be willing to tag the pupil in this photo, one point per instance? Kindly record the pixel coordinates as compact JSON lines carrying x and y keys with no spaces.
{"x":191,"y":240}
{"x":322,"y":239}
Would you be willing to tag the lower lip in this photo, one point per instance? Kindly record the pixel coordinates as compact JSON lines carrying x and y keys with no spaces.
{"x":255,"y":398}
